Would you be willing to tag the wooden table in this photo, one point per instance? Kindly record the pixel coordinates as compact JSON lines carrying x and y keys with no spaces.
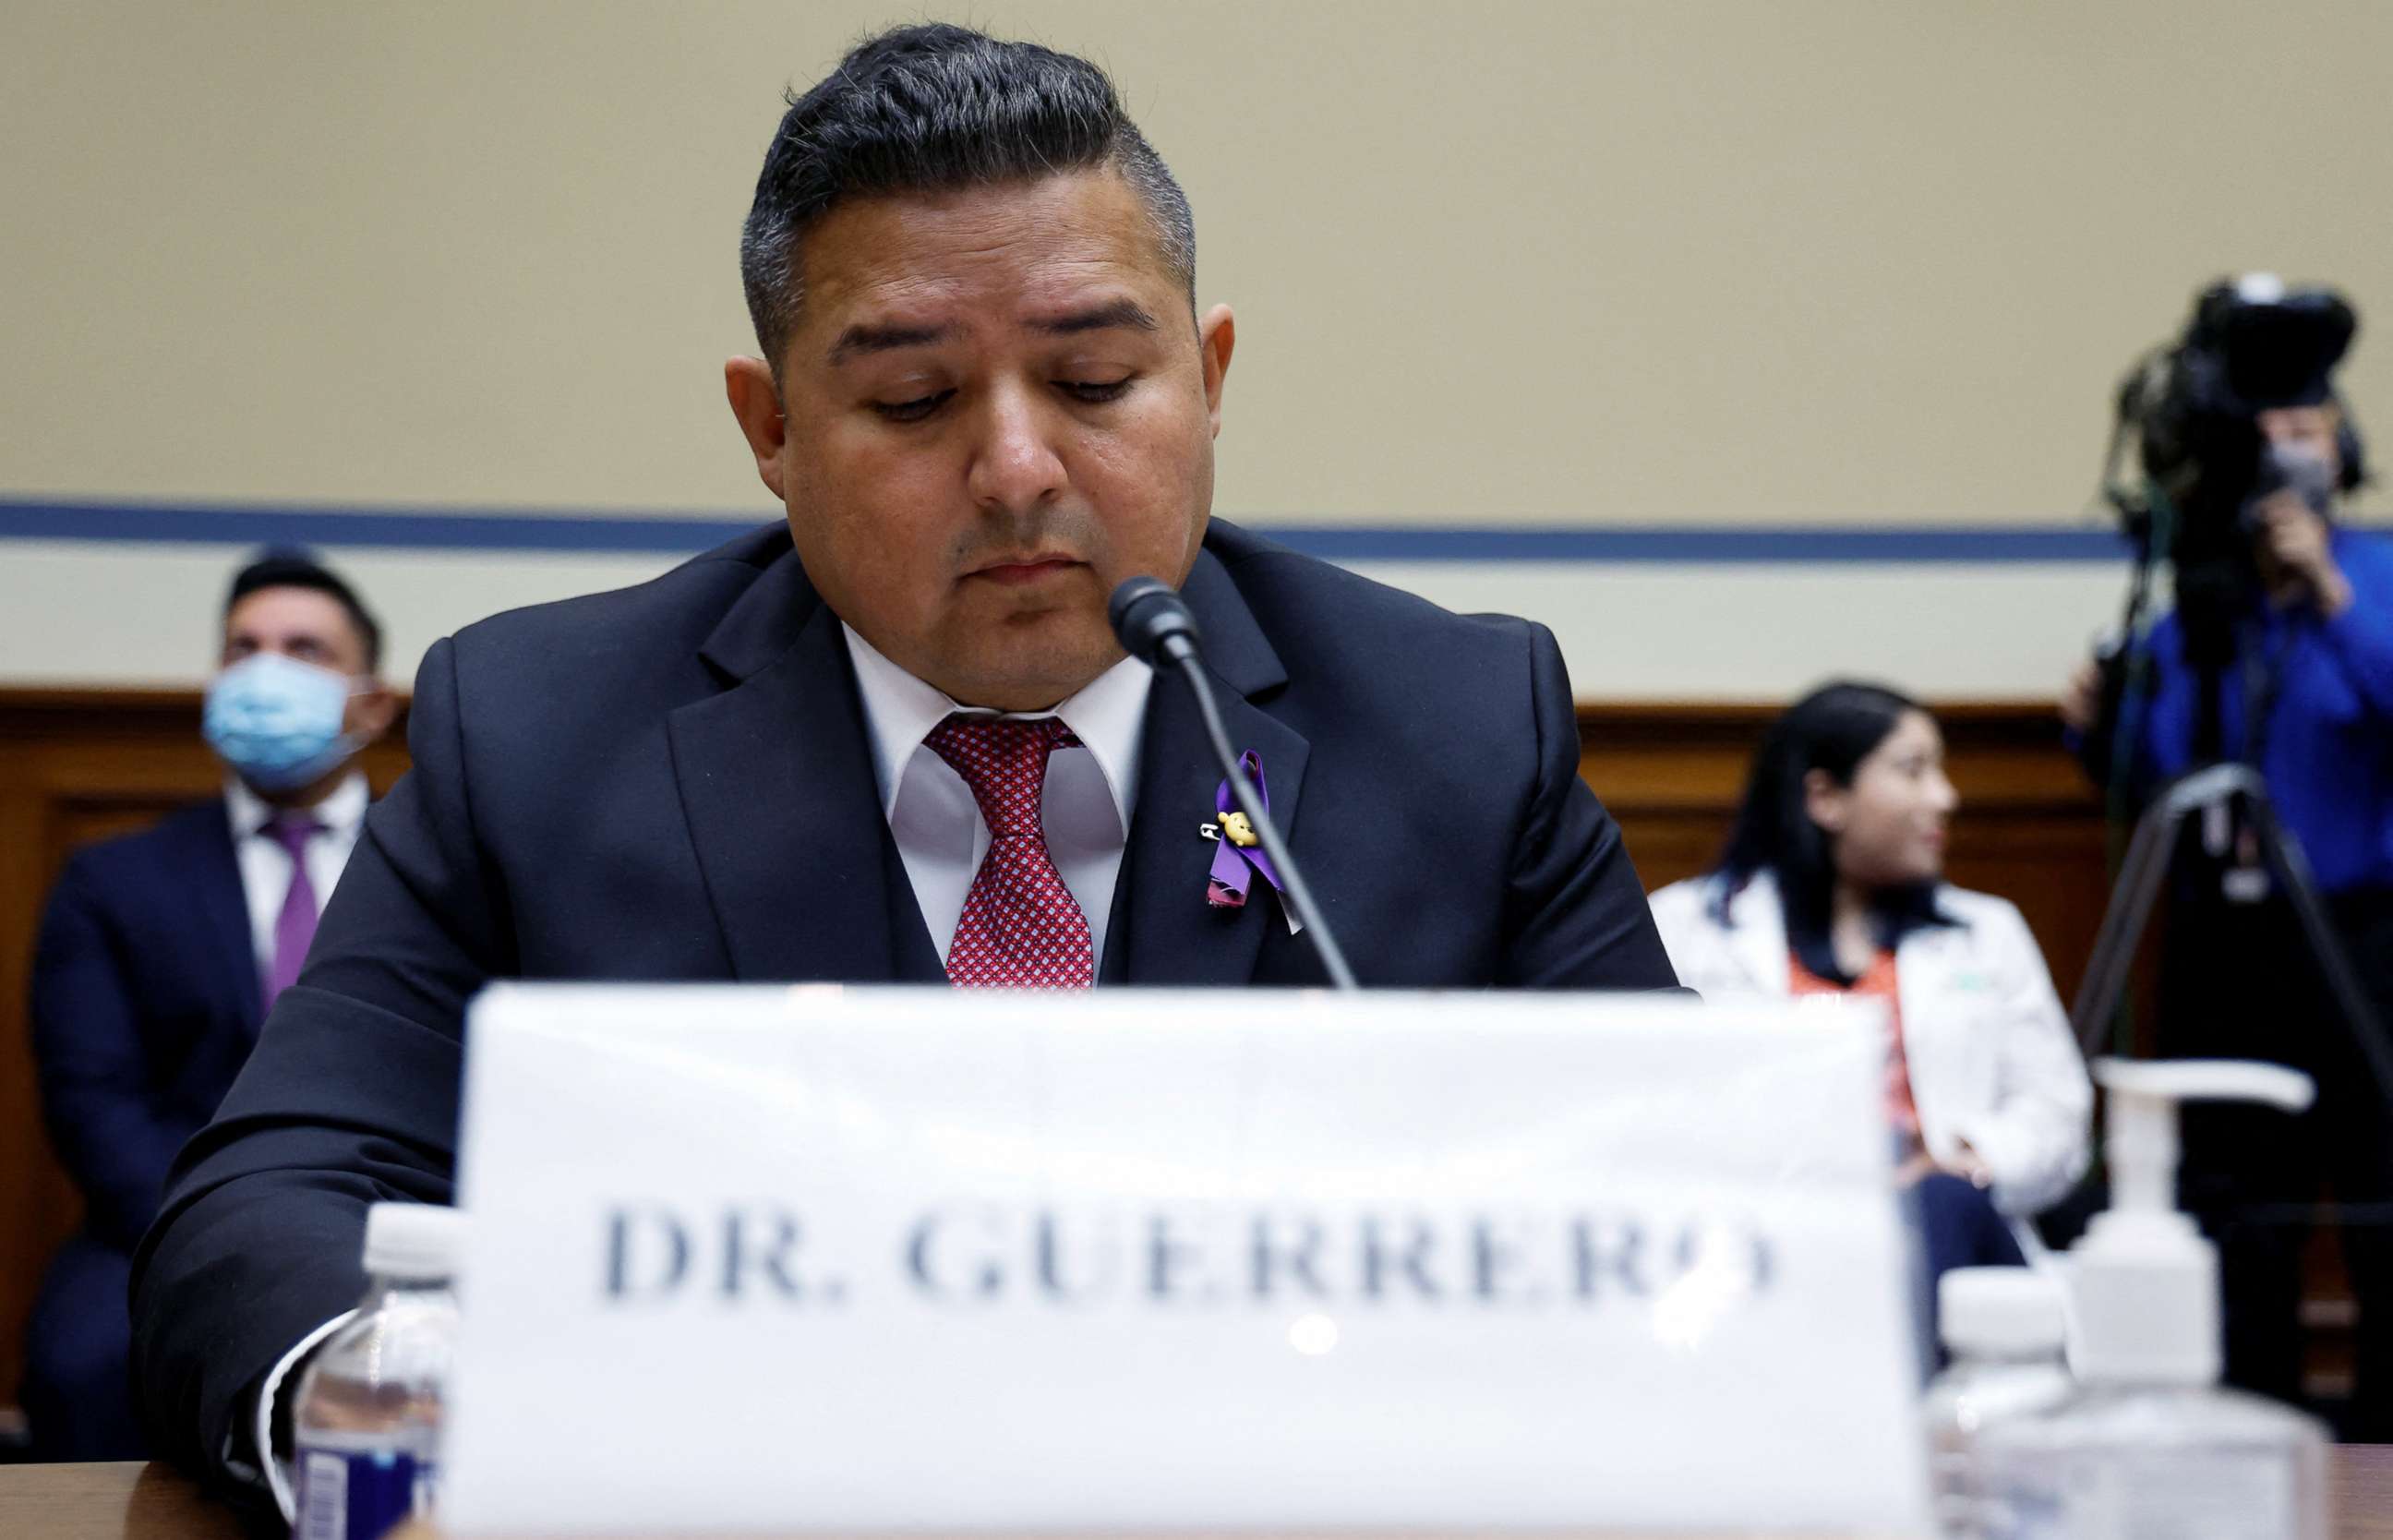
{"x":107,"y":1502}
{"x":150,"y":1502}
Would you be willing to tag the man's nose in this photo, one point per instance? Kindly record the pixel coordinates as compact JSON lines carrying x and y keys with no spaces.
{"x":1015,"y":466}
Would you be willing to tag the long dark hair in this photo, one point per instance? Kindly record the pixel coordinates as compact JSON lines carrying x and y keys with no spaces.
{"x":1833,"y":729}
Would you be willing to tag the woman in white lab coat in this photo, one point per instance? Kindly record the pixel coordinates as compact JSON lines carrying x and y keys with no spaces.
{"x":1832,"y":883}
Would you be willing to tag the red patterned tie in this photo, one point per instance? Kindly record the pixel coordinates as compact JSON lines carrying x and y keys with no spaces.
{"x":1021,"y":927}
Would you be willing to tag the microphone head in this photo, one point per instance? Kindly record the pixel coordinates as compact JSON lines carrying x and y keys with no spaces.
{"x":1148,"y":616}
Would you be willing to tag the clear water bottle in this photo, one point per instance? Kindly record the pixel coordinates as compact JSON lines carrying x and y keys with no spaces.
{"x":2005,"y":1328}
{"x":366,"y":1426}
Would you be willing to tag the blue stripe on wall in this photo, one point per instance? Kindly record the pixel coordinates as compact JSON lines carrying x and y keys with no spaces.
{"x":417,"y":529}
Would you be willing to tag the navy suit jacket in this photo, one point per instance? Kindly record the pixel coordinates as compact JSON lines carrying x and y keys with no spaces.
{"x":673,"y":783}
{"x":145,"y":1003}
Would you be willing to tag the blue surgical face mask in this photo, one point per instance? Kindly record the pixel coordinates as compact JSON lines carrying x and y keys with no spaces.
{"x":2301,"y":470}
{"x":277,"y":721}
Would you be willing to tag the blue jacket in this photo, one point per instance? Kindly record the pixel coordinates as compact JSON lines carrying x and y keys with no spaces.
{"x":145,"y":1003}
{"x":2329,"y":754}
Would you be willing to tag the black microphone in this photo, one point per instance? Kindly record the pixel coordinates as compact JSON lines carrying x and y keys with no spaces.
{"x":1154,"y":626}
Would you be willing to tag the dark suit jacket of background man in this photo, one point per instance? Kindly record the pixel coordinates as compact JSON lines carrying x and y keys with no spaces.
{"x":145,"y":1002}
{"x":673,"y":783}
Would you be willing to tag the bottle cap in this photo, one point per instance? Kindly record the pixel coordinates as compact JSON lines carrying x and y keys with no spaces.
{"x":2007,"y":1311}
{"x":413,"y":1241}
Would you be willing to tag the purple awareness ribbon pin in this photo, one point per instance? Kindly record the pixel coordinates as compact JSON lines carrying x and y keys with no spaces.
{"x":1226,"y":885}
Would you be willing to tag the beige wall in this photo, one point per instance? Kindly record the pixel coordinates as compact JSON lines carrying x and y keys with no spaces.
{"x":1628,"y":262}
{"x":1612,"y":261}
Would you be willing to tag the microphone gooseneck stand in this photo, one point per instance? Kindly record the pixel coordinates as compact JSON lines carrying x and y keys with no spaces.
{"x":1154,"y":625}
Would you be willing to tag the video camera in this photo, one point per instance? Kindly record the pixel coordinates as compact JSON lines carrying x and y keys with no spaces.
{"x":2194,"y":406}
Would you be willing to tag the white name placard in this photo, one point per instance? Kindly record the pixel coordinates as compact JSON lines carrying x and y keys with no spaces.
{"x":767,"y":1258}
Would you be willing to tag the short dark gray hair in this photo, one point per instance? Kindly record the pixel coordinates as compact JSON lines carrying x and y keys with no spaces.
{"x":930,"y":108}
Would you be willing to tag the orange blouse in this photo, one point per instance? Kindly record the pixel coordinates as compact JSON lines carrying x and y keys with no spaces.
{"x":1877,"y":983}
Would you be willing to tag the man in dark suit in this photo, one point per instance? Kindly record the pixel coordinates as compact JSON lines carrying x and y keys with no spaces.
{"x":158,"y":956}
{"x":892,"y":739}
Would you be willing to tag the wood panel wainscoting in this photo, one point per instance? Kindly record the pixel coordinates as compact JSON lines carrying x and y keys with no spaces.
{"x":78,"y":766}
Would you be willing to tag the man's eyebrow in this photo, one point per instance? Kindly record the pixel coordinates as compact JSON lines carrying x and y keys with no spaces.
{"x":880,"y":339}
{"x":861,"y":339}
{"x":1098,"y":318}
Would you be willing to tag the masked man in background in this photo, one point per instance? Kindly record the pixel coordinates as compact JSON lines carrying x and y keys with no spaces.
{"x":160,"y":952}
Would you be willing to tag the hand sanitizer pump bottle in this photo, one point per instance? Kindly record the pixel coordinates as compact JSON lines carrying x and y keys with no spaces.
{"x":2151,"y":1446}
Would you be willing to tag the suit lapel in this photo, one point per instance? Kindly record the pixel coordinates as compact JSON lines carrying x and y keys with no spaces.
{"x":222,"y":903}
{"x":777,"y":784}
{"x":1925,"y":962}
{"x":1162,"y":929}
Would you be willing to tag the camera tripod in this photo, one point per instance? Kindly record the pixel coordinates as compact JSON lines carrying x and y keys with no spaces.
{"x":2150,"y":854}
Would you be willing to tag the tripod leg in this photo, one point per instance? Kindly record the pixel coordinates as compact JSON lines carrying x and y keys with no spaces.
{"x":2130,"y":910}
{"x":2285,"y":857}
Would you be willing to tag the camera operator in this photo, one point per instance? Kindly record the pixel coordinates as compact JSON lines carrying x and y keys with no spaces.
{"x":2278,"y":655}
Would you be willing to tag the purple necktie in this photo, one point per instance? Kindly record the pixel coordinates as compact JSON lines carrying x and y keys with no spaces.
{"x":295,"y":926}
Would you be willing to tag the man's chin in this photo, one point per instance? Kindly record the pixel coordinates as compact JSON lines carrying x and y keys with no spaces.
{"x":1035,"y":665}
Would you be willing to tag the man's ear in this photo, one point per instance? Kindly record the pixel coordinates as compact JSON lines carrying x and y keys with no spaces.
{"x":756,"y":403}
{"x":372,"y":710}
{"x":1216,"y":336}
{"x":1824,"y":800}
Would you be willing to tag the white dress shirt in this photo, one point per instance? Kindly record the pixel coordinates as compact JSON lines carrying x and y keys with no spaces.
{"x":1085,"y":810}
{"x":265,"y":865}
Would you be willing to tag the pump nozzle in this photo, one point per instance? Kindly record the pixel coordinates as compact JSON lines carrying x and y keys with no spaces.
{"x":2146,"y":1281}
{"x":2145,"y":1094}
{"x":2208,"y":1080}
